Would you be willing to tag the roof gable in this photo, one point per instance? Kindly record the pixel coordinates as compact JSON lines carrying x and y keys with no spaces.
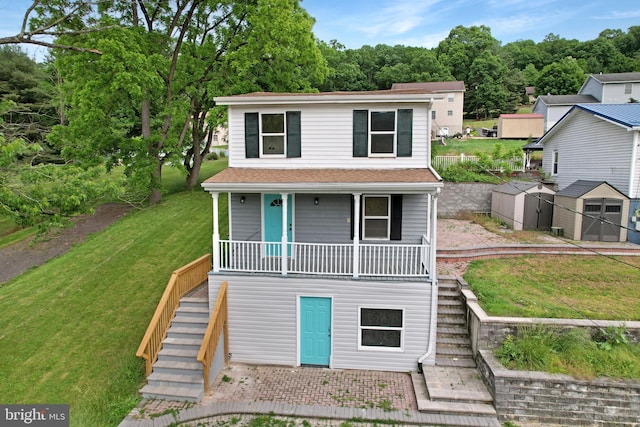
{"x":616,"y":78}
{"x":582,"y":187}
{"x":567,"y":99}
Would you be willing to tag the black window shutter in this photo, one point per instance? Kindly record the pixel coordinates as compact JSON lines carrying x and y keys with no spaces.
{"x":251,"y":136}
{"x":396,"y":217}
{"x":405,"y":132}
{"x":360,"y":133}
{"x":293,"y":134}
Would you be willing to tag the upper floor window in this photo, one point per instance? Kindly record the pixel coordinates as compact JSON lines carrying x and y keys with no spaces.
{"x":555,"y":163}
{"x":272,"y":134}
{"x":450,"y":98}
{"x":449,"y":112}
{"x":627,"y":88}
{"x":382,"y":133}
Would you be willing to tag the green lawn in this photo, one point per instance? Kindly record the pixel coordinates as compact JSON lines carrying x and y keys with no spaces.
{"x":555,"y":286}
{"x":472,"y":146}
{"x":70,"y":328}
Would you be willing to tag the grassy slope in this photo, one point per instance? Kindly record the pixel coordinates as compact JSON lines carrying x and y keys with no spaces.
{"x":70,"y":328}
{"x":554,"y":286}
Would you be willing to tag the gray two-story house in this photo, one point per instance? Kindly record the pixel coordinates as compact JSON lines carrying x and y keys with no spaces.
{"x":332,"y":202}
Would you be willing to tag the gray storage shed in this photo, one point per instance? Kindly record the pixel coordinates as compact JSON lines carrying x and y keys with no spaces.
{"x":591,"y":210}
{"x":523,"y":205}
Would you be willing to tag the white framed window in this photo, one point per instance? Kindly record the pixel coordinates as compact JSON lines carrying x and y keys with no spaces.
{"x":433,"y":114}
{"x":380,"y":328}
{"x":449,"y":112}
{"x":272,"y":134}
{"x":382,"y":133}
{"x":450,"y":97}
{"x":555,"y":163}
{"x":628,"y":88}
{"x":376,"y":218}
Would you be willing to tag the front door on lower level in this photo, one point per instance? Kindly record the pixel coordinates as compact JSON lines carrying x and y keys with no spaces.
{"x":315,"y":331}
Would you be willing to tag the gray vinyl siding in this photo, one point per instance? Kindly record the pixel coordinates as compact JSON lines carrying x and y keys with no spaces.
{"x":246,"y":224}
{"x":594,"y":88}
{"x":263,"y":313}
{"x":327,"y":222}
{"x":591,"y":149}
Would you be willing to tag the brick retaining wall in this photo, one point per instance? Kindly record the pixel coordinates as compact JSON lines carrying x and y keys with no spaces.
{"x":461,"y":197}
{"x":536,"y":397}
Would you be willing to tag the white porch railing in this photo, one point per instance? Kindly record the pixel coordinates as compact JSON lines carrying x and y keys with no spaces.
{"x":381,"y":260}
{"x":443,"y":162}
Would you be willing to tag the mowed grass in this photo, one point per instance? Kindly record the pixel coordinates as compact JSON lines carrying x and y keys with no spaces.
{"x":69,"y":329}
{"x":558,"y":286}
{"x":472,"y":146}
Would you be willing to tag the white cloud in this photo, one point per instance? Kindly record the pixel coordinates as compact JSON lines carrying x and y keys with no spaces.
{"x":399,"y":17}
{"x":619,"y":14}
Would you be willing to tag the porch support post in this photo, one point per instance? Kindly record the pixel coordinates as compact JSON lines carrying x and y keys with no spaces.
{"x":356,"y":235}
{"x":216,"y":235}
{"x":285,"y":226}
{"x":432,"y":251}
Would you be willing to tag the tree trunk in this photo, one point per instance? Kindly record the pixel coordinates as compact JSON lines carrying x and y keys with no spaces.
{"x":155,"y":194}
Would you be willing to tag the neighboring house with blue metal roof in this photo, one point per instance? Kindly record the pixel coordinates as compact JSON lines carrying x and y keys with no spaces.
{"x":598,"y":142}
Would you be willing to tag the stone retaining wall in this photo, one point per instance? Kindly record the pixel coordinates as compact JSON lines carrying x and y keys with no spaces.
{"x":461,"y":197}
{"x":536,"y":397}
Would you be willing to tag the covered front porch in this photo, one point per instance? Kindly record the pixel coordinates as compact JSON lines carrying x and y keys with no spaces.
{"x":370,"y":228}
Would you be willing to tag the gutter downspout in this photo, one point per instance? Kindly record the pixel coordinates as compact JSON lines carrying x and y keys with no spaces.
{"x":434,"y":286}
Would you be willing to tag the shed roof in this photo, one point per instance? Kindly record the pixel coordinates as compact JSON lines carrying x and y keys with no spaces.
{"x":431,"y":86}
{"x":522,"y":116}
{"x":517,"y":187}
{"x":582,"y":187}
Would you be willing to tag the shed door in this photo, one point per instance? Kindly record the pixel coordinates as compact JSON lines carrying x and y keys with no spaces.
{"x":538,"y":211}
{"x":597,"y":211}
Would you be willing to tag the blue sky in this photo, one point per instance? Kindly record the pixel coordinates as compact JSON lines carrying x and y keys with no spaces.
{"x":426,"y":22}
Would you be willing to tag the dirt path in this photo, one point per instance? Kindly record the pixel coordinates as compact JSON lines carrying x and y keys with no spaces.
{"x":18,"y":258}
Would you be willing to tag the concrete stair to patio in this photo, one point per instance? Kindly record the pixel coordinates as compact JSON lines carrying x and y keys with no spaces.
{"x":177,"y":375}
{"x":453,"y":343}
{"x":454,"y":387}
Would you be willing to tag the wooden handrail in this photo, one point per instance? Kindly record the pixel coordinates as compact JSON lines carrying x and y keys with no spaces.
{"x":217,"y":323}
{"x":182,"y":281}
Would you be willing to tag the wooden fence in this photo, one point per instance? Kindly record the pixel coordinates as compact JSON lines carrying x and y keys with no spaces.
{"x":443,"y":162}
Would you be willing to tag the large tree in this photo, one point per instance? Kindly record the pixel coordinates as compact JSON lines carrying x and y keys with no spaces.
{"x":146,"y":100}
{"x":564,"y":77}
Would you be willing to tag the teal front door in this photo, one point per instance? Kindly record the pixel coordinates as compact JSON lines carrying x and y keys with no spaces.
{"x":315,"y":331}
{"x":273,"y":223}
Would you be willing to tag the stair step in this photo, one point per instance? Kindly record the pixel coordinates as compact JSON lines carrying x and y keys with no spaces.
{"x":470,"y":409}
{"x":454,"y":351}
{"x":446,"y":294}
{"x":194,"y":302}
{"x":191,"y":332}
{"x":182,"y":320}
{"x":193,"y":311}
{"x":452,"y":331}
{"x":453,"y":341}
{"x":182,"y":343}
{"x":178,"y":354}
{"x":449,"y":320}
{"x":455,"y":362}
{"x":183,"y":394}
{"x":175,"y":380}
{"x":176,"y":367}
{"x":449,"y":311}
{"x":450,"y":302}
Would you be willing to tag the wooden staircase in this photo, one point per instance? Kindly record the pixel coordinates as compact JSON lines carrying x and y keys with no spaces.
{"x":177,"y":375}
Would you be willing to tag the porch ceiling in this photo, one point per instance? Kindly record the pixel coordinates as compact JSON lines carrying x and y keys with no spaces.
{"x":418,"y":180}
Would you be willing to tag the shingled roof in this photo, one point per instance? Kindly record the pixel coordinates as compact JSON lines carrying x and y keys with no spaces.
{"x":431,"y":87}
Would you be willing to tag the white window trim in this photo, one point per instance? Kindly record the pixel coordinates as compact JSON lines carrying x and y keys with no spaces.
{"x":365,"y":217}
{"x":381,"y":328}
{"x":395,"y":132}
{"x":283,"y":134}
{"x":554,"y":163}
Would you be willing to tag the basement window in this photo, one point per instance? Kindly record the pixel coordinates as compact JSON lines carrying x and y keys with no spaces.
{"x":381,"y":329}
